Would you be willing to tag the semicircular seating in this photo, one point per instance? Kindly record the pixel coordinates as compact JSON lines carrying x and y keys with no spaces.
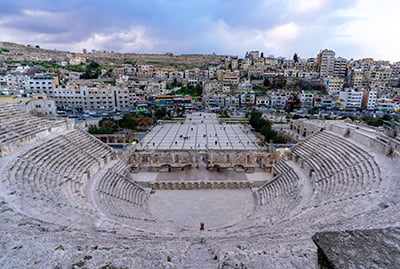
{"x":67,"y":184}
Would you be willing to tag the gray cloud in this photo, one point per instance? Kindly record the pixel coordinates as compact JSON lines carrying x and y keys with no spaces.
{"x":229,"y":27}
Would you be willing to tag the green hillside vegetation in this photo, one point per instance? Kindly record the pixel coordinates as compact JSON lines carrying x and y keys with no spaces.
{"x":265,"y":128}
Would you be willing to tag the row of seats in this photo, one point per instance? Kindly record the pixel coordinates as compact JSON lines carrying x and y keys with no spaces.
{"x":338,"y":168}
{"x":282,"y":193}
{"x":15,"y":124}
{"x":119,"y":196}
{"x":89,"y":144}
{"x":57,"y":172}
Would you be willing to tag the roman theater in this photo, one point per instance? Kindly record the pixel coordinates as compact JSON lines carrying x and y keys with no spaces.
{"x":198,"y":194}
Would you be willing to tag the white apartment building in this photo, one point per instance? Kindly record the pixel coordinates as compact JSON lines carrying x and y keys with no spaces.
{"x":97,"y":98}
{"x":278,"y":100}
{"x":14,"y":81}
{"x":372,"y":97}
{"x":307,"y":99}
{"x":262,"y":101}
{"x":217,"y":100}
{"x":291,"y":72}
{"x":396,"y":71}
{"x":247,"y":99}
{"x":41,"y":83}
{"x":252,"y":55}
{"x":324,"y":102}
{"x":351,"y":99}
{"x":176,"y":74}
{"x":196,"y":74}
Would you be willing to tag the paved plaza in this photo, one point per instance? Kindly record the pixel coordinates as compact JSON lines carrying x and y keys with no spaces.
{"x":201,"y":118}
{"x":189,"y":208}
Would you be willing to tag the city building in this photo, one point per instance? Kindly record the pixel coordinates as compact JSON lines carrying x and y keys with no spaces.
{"x":351,"y":100}
{"x":326,"y":63}
{"x":334,"y":85}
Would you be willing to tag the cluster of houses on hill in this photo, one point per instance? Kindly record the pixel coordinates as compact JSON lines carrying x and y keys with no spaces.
{"x":326,"y":82}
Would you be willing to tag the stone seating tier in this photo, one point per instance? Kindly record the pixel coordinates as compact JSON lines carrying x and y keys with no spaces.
{"x":282,"y":194}
{"x":19,"y":128}
{"x":57,"y":172}
{"x":338,"y":168}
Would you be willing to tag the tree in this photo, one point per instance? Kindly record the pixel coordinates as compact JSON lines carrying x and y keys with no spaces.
{"x":180,"y":111}
{"x":279,"y":139}
{"x":256,"y":121}
{"x":144,"y":121}
{"x":198,"y":89}
{"x":265,"y":128}
{"x":95,"y":130}
{"x":93,"y":70}
{"x":293,"y":103}
{"x":84,"y":51}
{"x":128,"y":121}
{"x":108,"y":123}
{"x":176,"y":83}
{"x":161,"y":113}
{"x":266,"y":82}
{"x":306,"y":85}
{"x":279,"y":82}
{"x":313,"y":110}
{"x":268,"y":132}
{"x":262,"y":55}
{"x":295,"y":58}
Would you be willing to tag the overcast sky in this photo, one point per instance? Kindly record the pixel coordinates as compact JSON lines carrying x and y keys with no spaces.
{"x":353,"y":28}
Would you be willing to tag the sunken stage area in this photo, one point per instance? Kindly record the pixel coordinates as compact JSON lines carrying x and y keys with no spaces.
{"x":68,"y":201}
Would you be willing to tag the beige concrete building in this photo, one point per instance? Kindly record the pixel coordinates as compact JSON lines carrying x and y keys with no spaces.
{"x":334,"y":85}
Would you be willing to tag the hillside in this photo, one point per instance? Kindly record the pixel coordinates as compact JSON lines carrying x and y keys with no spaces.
{"x":16,"y":52}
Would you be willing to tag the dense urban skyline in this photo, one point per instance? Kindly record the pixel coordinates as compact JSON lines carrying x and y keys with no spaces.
{"x":354,"y":29}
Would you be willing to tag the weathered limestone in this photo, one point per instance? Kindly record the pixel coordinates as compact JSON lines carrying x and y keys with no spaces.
{"x":196,"y":185}
{"x":18,"y":129}
{"x":66,"y":201}
{"x":338,"y":169}
{"x":378,"y":248}
{"x":282,"y":193}
{"x":181,"y":160}
{"x":361,"y":134}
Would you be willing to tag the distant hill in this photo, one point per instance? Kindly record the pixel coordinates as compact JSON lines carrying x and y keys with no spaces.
{"x":16,"y":52}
